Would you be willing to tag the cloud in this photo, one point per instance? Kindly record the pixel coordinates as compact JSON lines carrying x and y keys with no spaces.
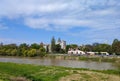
{"x":65,"y":15}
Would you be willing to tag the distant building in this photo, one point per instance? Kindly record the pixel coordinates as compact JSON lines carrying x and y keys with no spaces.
{"x":61,"y":43}
{"x":48,"y":46}
{"x":91,"y":53}
{"x":76,"y":52}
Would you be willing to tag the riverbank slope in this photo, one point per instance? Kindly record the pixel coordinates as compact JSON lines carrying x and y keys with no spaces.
{"x":26,"y":72}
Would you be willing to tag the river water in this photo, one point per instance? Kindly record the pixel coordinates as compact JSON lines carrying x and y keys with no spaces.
{"x":60,"y":62}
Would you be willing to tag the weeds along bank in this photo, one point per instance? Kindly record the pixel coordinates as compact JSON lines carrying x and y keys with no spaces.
{"x":85,"y":58}
{"x":25,"y":72}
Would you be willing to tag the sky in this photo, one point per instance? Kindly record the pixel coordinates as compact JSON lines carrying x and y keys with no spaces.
{"x":75,"y":21}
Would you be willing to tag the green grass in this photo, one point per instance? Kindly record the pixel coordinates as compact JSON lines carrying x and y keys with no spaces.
{"x":41,"y":73}
{"x":32,"y":72}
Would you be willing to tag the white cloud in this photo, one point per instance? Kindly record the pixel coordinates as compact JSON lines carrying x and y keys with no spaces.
{"x":64,"y":15}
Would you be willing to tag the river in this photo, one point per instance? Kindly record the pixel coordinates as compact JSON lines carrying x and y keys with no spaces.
{"x":60,"y":62}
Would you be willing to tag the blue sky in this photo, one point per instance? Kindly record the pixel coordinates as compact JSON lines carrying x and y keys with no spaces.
{"x":76,"y":21}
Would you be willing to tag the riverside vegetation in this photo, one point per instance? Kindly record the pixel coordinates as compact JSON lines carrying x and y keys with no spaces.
{"x":26,"y":50}
{"x":26,"y":72}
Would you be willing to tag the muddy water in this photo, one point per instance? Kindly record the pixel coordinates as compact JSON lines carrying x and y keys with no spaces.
{"x":61,"y":62}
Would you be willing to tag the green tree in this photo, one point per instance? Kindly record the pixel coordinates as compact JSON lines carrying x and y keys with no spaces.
{"x":116,"y":46}
{"x":57,"y":48}
{"x":53,"y":45}
{"x":23,"y":46}
{"x":8,"y":52}
{"x":67,"y":47}
{"x":102,"y":48}
{"x":14,"y":52}
{"x":35,"y":46}
{"x":31,"y":52}
{"x":74,"y":46}
{"x":88,"y":48}
{"x":25,"y":53}
{"x":41,"y":52}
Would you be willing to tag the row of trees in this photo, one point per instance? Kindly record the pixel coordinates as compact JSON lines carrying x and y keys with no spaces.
{"x":98,"y":47}
{"x":22,"y":50}
{"x":39,"y":50}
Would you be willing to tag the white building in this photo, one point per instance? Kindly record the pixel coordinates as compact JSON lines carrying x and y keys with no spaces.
{"x":76,"y":52}
{"x":61,"y":43}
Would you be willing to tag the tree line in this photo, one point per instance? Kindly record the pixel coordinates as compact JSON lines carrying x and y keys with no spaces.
{"x":39,"y":50}
{"x":22,"y":50}
{"x":98,"y":47}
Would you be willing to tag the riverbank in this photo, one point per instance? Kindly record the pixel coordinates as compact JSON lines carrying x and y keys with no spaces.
{"x":26,"y":72}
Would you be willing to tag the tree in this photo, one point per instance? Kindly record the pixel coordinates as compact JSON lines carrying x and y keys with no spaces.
{"x":116,"y":46}
{"x":115,"y":41}
{"x":57,"y":48}
{"x":35,"y":46}
{"x":53,"y":45}
{"x":25,"y":53}
{"x":88,"y":48}
{"x":14,"y":52}
{"x":41,"y":52}
{"x":23,"y":46}
{"x":102,"y":48}
{"x":68,"y":47}
{"x":74,"y":46}
{"x":22,"y":50}
{"x":31,"y":52}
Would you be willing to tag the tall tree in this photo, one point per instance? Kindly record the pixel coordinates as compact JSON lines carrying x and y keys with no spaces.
{"x":115,"y":40}
{"x":116,"y":46}
{"x":53,"y":44}
{"x":57,"y":48}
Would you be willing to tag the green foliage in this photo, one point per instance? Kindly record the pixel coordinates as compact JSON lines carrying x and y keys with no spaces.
{"x":67,"y":47}
{"x":53,"y":44}
{"x":116,"y":47}
{"x":41,"y":52}
{"x":14,"y":52}
{"x":22,"y":50}
{"x":74,"y":46}
{"x":88,"y":48}
{"x":35,"y":46}
{"x":23,"y":46}
{"x":102,"y":48}
{"x":32,"y":52}
{"x":57,"y":48}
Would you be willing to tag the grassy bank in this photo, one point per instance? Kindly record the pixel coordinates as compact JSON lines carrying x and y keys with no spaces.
{"x":24,"y":72}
